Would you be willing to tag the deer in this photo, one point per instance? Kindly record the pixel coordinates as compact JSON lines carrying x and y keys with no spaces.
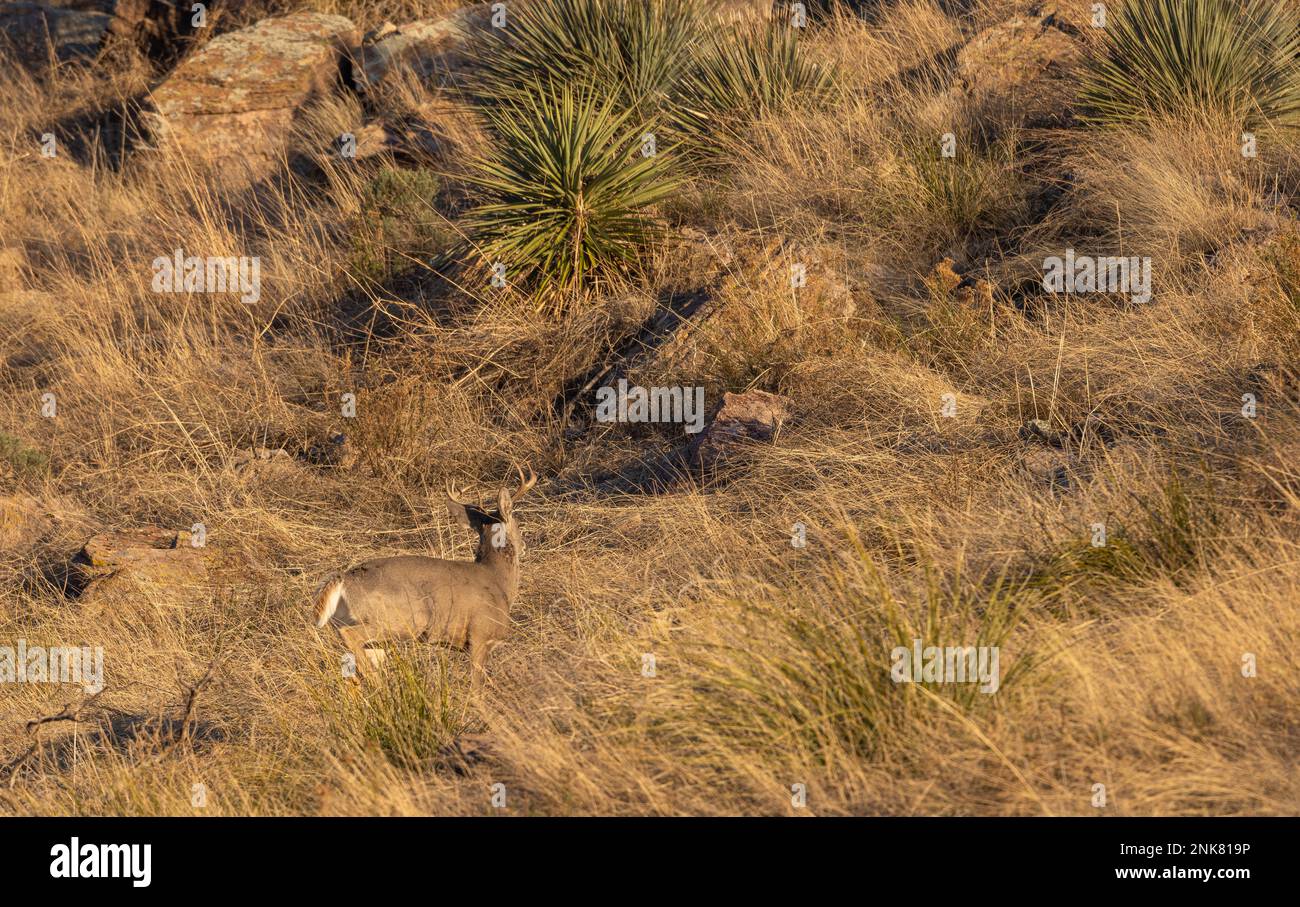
{"x":463,"y":604}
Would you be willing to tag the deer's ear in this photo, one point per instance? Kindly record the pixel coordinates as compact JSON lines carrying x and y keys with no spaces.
{"x":504,"y":504}
{"x":458,"y":512}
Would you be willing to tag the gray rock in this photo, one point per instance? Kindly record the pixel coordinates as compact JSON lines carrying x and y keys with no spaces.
{"x":428,"y":47}
{"x":1041,"y":430}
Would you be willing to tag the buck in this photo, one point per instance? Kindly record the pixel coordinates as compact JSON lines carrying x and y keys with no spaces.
{"x":460,"y":603}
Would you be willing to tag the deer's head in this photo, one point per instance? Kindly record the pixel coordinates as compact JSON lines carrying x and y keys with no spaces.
{"x":498,"y":531}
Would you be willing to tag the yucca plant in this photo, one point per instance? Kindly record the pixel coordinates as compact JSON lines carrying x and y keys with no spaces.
{"x":567,"y":188}
{"x":1239,"y":58}
{"x":631,"y":51}
{"x":744,"y":74}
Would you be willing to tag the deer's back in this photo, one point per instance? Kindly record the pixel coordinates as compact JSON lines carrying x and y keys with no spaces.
{"x":421,"y":596}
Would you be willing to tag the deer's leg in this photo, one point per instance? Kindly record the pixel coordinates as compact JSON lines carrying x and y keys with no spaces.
{"x":478,"y":653}
{"x":355,"y":637}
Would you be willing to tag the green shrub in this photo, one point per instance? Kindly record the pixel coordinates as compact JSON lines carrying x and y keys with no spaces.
{"x":567,"y":188}
{"x":21,"y":457}
{"x":1239,"y":58}
{"x":398,"y":225}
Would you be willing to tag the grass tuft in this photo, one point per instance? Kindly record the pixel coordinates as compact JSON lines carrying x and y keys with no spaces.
{"x":1237,"y":58}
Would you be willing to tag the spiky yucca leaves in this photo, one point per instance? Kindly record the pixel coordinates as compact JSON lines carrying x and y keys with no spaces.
{"x":634,"y":51}
{"x":1233,"y":57}
{"x":567,"y":188}
{"x":743,"y":74}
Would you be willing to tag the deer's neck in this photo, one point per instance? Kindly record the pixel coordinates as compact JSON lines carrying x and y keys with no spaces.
{"x":503,"y":563}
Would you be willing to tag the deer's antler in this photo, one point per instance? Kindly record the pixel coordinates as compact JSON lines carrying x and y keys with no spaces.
{"x":452,"y":491}
{"x":525,"y":484}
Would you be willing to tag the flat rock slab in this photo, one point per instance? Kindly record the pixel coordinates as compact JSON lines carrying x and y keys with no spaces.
{"x":234,"y":101}
{"x":122,"y":566}
{"x":163,"y":555}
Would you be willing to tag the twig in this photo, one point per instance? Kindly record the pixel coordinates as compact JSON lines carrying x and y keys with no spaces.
{"x":67,"y":713}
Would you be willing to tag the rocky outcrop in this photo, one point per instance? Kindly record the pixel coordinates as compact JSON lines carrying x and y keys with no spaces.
{"x":1027,"y":61}
{"x":429,"y":47}
{"x":122,"y":566}
{"x":81,"y":29}
{"x":35,"y":31}
{"x":754,"y":416}
{"x":153,"y":554}
{"x":234,"y":102}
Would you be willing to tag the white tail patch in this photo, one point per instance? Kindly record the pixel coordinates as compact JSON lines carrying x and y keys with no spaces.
{"x":327,"y":600}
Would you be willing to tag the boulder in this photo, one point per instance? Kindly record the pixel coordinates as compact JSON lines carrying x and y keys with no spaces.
{"x":234,"y":101}
{"x":1072,"y":14}
{"x":1016,"y":52}
{"x":69,"y":31}
{"x":1026,"y":61}
{"x":428,"y":47}
{"x":754,"y":416}
{"x":82,"y":29}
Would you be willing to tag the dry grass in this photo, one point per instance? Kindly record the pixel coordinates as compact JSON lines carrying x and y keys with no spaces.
{"x":1120,"y":665}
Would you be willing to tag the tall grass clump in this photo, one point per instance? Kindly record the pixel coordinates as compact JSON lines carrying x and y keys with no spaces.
{"x":1239,"y":58}
{"x":567,"y":189}
{"x":807,"y":672}
{"x":1172,"y":536}
{"x":744,"y":74}
{"x":953,"y":202}
{"x":632,"y":52}
{"x":411,"y":709}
